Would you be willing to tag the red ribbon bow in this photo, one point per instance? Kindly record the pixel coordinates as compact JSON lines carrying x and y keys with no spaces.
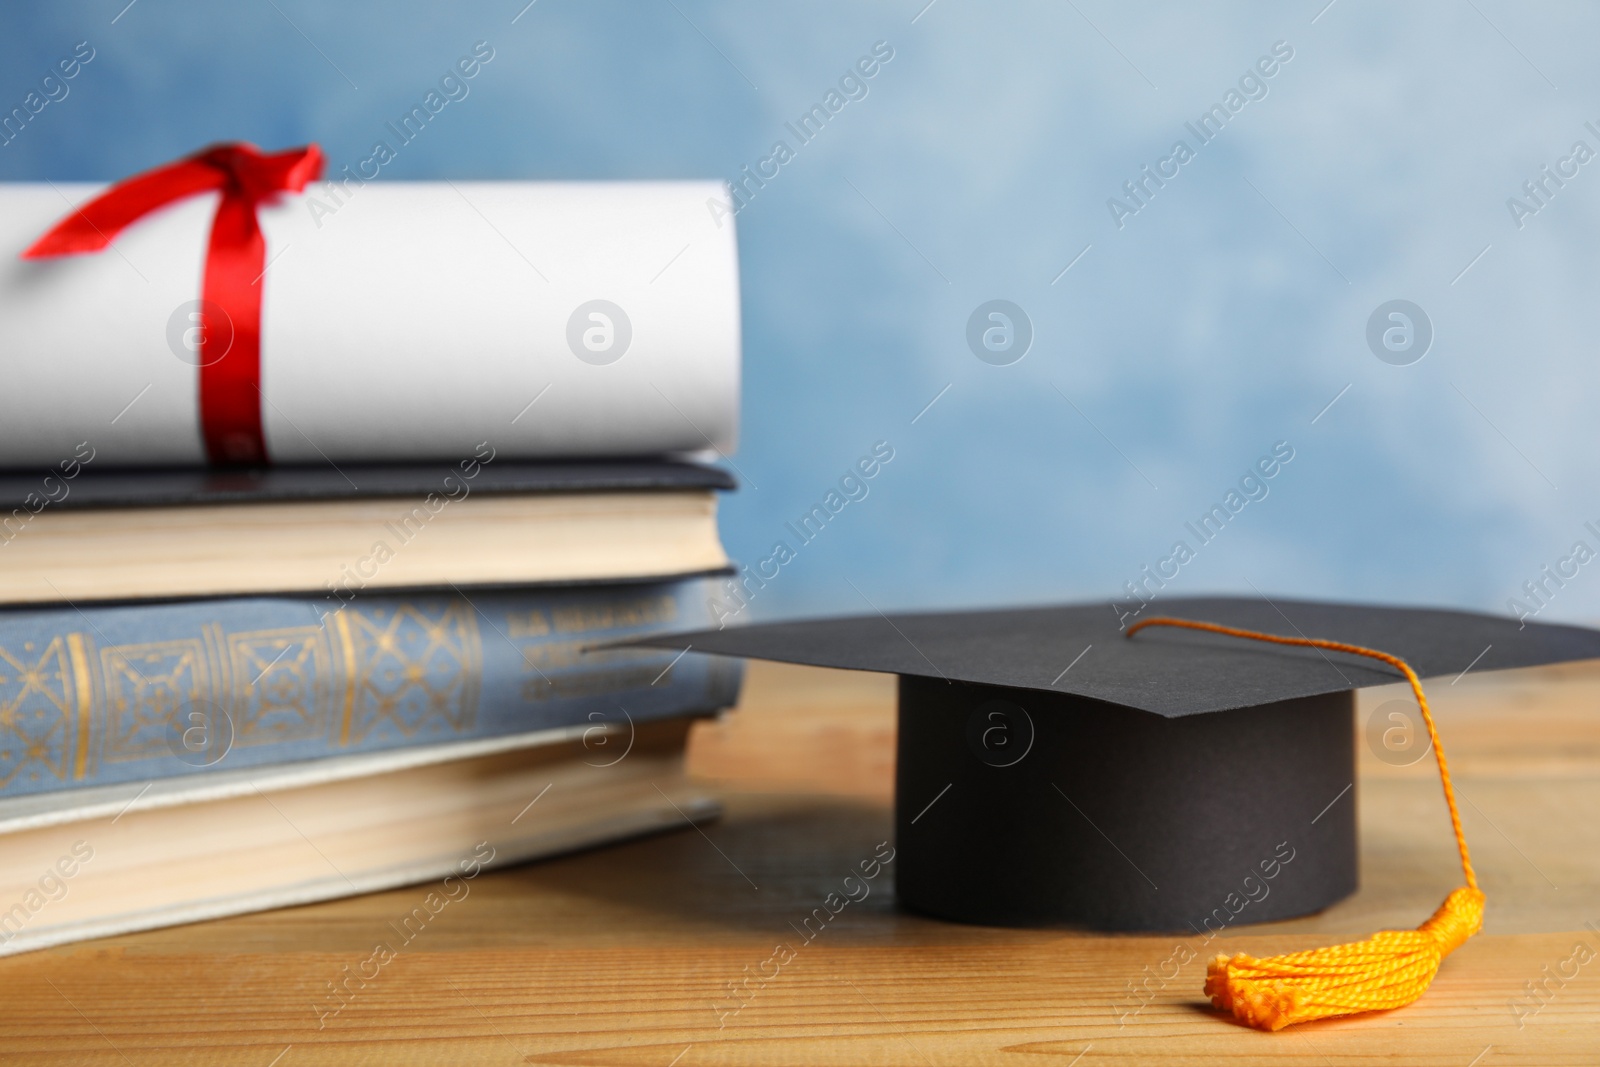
{"x":230,"y":306}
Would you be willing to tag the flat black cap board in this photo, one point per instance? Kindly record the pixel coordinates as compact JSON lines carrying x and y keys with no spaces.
{"x":1053,"y":770}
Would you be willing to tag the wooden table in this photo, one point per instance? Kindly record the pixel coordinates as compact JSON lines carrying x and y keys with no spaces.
{"x":634,"y":954}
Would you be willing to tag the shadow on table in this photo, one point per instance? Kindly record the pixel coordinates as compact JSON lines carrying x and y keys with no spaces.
{"x":769,"y":862}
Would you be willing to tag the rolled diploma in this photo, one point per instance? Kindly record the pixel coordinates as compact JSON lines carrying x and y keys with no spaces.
{"x":400,"y":321}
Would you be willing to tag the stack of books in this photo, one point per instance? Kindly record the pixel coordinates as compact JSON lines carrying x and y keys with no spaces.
{"x":196,"y":720}
{"x":223,"y":690}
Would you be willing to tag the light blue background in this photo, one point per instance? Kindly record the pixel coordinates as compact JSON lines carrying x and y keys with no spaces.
{"x":1223,"y":318}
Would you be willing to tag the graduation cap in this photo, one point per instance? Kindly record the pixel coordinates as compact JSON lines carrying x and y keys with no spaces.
{"x":1061,"y":766}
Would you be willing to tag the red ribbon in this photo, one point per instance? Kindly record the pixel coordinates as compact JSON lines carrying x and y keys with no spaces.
{"x":236,"y":258}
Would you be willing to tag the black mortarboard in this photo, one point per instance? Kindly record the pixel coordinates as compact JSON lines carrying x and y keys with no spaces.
{"x":1051,"y":769}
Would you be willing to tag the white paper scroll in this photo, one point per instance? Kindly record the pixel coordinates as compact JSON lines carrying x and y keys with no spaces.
{"x":400,"y":321}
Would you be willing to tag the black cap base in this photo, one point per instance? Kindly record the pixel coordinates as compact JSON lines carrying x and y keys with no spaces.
{"x":1016,"y":807}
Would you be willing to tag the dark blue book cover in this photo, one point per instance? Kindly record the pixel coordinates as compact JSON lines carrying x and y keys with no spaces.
{"x":137,"y":692}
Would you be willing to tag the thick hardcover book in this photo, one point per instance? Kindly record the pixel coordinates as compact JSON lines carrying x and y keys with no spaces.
{"x":83,"y":532}
{"x":135,"y":693}
{"x":183,"y":851}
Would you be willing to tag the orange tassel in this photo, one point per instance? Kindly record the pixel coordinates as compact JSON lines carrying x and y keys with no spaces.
{"x":1387,"y":970}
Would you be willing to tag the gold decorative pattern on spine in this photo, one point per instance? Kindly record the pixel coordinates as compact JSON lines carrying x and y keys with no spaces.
{"x":83,"y":691}
{"x":347,"y":647}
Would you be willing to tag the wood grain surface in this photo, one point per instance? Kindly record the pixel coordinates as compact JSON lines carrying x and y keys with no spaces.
{"x":666,"y":952}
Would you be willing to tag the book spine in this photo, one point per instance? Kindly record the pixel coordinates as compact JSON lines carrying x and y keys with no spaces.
{"x":134,"y":693}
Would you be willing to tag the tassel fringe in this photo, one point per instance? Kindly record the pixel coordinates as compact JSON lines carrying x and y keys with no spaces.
{"x":1387,"y":970}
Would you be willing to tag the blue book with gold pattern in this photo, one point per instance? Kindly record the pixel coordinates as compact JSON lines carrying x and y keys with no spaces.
{"x":139,"y":692}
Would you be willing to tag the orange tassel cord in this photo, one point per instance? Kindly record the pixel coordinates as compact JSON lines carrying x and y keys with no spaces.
{"x":1387,"y":970}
